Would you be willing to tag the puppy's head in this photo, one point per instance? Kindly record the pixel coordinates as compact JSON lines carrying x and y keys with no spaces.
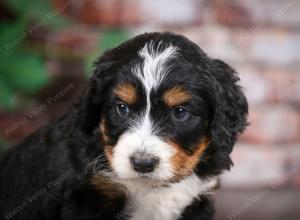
{"x":163,"y":109}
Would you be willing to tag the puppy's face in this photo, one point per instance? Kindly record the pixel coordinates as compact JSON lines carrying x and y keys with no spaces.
{"x":155,"y":124}
{"x":162,"y":111}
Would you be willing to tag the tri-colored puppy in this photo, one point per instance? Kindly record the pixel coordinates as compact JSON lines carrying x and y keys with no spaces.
{"x":146,"y":141}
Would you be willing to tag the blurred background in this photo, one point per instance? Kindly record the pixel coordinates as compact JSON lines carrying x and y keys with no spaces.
{"x":47,"y":48}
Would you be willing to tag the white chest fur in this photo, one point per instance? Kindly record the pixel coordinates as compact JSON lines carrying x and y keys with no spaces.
{"x":167,"y":203}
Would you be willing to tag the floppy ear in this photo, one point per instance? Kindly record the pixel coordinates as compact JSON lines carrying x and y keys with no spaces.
{"x":90,"y":106}
{"x":230,"y":110}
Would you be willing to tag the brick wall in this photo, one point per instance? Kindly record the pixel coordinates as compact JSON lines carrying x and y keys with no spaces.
{"x":259,"y":38}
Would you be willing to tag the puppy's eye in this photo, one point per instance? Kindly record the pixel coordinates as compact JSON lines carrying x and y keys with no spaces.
{"x":180,"y":114}
{"x":122,"y":109}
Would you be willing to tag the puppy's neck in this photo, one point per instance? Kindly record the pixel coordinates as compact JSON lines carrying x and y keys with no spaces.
{"x":156,"y":202}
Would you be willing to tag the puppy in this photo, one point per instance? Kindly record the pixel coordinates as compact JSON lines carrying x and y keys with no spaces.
{"x":146,"y":141}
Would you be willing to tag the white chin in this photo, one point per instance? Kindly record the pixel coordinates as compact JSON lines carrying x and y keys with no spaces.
{"x":142,"y":180}
{"x":130,"y":143}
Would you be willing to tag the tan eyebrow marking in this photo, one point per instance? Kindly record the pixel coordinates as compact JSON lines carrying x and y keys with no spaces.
{"x":176,"y":96}
{"x":127,"y":93}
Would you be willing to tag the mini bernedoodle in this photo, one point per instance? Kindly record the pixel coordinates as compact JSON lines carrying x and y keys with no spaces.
{"x":146,"y":141}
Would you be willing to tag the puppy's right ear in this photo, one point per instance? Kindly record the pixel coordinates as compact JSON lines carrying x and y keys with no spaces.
{"x":90,"y":106}
{"x":89,"y":109}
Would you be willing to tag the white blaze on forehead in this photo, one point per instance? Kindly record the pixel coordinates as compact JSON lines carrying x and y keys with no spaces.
{"x":154,"y":68}
{"x":141,"y":137}
{"x":152,"y":73}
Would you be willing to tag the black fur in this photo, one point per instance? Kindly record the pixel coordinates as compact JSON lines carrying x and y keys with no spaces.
{"x":47,"y":176}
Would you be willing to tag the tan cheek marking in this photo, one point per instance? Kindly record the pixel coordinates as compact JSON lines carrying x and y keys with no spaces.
{"x":104,"y":132}
{"x":109,"y":188}
{"x":127,"y":93}
{"x":182,"y":163}
{"x":176,"y":96}
{"x":108,"y":150}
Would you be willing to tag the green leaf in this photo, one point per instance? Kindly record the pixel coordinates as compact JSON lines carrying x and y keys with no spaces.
{"x":113,"y":38}
{"x":3,"y":144}
{"x":23,"y":72}
{"x":39,"y":13}
{"x":107,"y":40}
{"x":11,"y":35}
{"x":6,"y":95}
{"x":30,"y":8}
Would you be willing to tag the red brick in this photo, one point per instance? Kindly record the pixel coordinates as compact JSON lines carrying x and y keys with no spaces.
{"x":258,"y":13}
{"x":260,"y":204}
{"x":297,"y":181}
{"x":64,"y":6}
{"x":72,"y":42}
{"x":286,"y":86}
{"x":269,"y":85}
{"x":256,"y":85}
{"x":172,"y":13}
{"x":279,"y":47}
{"x":217,"y":41}
{"x":130,"y":12}
{"x":15,"y":126}
{"x":284,"y":13}
{"x":273,"y":124}
{"x":263,"y":165}
{"x":105,"y":12}
{"x":262,"y":47}
{"x":232,"y":13}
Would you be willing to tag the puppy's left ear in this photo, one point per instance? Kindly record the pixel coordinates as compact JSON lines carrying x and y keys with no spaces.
{"x":230,"y":107}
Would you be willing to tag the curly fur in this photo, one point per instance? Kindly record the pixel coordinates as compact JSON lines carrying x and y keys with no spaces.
{"x":62,"y":171}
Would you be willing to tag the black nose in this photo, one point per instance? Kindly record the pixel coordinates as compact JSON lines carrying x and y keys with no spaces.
{"x":144,"y":164}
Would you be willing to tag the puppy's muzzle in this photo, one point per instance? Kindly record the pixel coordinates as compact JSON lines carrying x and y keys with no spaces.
{"x":143,"y":163}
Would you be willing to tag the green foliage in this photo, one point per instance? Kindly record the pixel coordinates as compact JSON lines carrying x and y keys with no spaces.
{"x":108,"y":39}
{"x":3,"y":144}
{"x":22,"y":71}
{"x":112,"y":38}
{"x":6,"y":95}
{"x":10,"y":33}
{"x":42,"y":11}
{"x":29,"y":8}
